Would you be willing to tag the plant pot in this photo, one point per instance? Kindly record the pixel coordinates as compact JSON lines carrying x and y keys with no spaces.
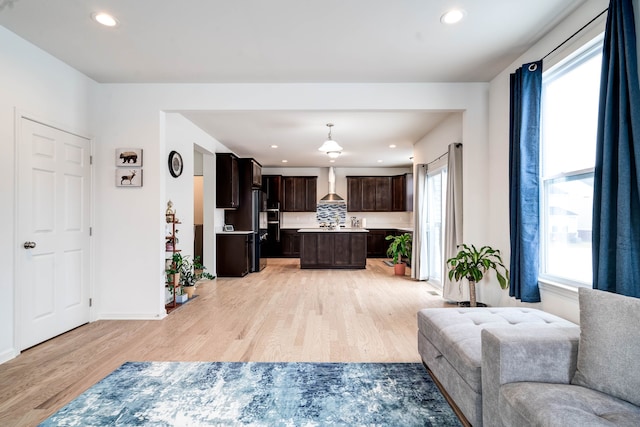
{"x":181,"y":299}
{"x":468,"y":304}
{"x":400,"y":268}
{"x":190,"y":290}
{"x":176,"y":280}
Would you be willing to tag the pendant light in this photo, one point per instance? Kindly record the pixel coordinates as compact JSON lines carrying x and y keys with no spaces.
{"x":331,"y":147}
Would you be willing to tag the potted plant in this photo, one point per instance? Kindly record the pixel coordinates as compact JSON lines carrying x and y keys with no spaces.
{"x":175,"y":269}
{"x":399,"y":248}
{"x":472,"y":264}
{"x":181,"y":297}
{"x":190,"y":273}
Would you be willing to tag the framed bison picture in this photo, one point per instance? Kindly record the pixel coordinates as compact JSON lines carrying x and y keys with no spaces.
{"x":128,"y":157}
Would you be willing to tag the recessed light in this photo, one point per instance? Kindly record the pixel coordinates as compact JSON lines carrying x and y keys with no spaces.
{"x":452,"y":17}
{"x":285,"y":161}
{"x":274,"y":146}
{"x":379,"y":161}
{"x":392,"y":146}
{"x":104,"y":19}
{"x":332,"y":161}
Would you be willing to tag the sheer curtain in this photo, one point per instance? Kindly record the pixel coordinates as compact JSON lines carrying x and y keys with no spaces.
{"x":524,"y":178}
{"x":616,"y":198}
{"x":453,"y":221}
{"x":419,"y":256}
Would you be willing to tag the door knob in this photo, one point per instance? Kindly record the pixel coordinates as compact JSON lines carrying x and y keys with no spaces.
{"x":29,"y":245}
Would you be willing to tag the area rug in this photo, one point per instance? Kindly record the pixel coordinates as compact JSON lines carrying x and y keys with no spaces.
{"x":260,"y":394}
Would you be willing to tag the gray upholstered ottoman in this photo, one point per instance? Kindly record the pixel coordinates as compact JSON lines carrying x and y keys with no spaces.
{"x":450,"y":347}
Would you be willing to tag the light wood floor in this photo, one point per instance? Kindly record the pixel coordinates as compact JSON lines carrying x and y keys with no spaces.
{"x":281,"y":314}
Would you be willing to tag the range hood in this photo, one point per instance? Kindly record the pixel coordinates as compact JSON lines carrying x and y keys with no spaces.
{"x":332,"y":196}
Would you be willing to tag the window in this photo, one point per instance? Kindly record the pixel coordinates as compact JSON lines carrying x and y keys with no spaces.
{"x":570,"y":95}
{"x":436,"y":191}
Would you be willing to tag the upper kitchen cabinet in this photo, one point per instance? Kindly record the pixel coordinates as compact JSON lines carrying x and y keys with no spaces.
{"x":242,"y":218}
{"x":402,"y":193}
{"x":256,"y":175}
{"x":299,"y":193}
{"x":369,"y":193}
{"x":379,"y":193}
{"x":272,"y":187}
{"x":227,"y":181}
{"x":354,"y":194}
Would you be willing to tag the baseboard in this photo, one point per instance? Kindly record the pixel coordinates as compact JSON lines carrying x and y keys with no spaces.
{"x":132,"y":316}
{"x":7,"y":355}
{"x":448,"y":398}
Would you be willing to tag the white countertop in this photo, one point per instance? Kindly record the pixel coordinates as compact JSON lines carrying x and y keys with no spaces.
{"x":234,"y":232}
{"x":337,"y":230}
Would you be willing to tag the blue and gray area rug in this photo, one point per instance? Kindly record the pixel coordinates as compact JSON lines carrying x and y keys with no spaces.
{"x":260,"y":394}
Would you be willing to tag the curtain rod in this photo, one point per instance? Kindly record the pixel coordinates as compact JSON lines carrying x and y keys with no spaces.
{"x":436,"y":159}
{"x":457,"y":144}
{"x":576,"y":33}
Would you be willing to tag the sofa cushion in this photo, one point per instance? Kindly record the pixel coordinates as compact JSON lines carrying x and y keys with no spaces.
{"x":609,"y":344}
{"x":545,"y":404}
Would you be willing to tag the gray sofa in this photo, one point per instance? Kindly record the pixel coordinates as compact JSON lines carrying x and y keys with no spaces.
{"x":450,"y":347}
{"x":549,"y":378}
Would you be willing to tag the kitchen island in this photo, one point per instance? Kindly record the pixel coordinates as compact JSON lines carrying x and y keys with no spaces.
{"x":341,"y":248}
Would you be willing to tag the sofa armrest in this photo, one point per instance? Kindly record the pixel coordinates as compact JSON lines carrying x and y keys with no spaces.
{"x":535,"y":354}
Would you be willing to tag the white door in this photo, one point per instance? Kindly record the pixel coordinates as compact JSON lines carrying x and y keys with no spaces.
{"x":52,"y":282}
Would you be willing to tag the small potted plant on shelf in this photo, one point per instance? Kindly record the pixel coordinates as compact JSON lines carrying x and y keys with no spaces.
{"x":175,"y":269}
{"x":190,"y":273}
{"x":472,"y":264}
{"x":181,"y":296}
{"x":399,"y":248}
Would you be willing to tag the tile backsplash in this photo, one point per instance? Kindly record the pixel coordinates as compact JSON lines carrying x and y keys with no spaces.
{"x":328,"y":212}
{"x":373,"y":219}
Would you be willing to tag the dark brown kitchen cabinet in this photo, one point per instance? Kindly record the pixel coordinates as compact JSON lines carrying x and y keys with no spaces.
{"x":377,"y":242}
{"x":242,"y":218}
{"x":227,"y":181}
{"x":380,"y":193}
{"x":383,"y":194}
{"x":272,"y":187}
{"x":402,"y":193}
{"x":256,"y":175}
{"x":333,"y":249}
{"x":232,"y":254}
{"x":290,"y":243}
{"x":369,"y":193}
{"x":299,"y":193}
{"x":354,"y":194}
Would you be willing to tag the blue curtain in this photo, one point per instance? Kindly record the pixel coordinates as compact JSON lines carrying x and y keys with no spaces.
{"x":616,"y":201}
{"x":524,"y":176}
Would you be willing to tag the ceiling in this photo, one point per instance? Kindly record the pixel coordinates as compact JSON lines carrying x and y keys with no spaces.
{"x":292,"y":41}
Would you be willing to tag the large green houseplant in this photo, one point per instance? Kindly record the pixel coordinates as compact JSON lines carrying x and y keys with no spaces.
{"x":399,"y":248}
{"x":472,"y":264}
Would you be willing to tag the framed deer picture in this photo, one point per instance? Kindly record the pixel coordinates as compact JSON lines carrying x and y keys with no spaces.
{"x":129,"y":177}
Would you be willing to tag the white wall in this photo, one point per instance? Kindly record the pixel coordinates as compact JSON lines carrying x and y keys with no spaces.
{"x":39,"y":86}
{"x":436,"y":142}
{"x":184,"y":137}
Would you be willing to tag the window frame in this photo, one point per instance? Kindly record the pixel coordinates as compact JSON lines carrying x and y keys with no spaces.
{"x":573,"y":61}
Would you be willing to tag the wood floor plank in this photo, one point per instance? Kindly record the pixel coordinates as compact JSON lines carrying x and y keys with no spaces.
{"x":282,"y":314}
